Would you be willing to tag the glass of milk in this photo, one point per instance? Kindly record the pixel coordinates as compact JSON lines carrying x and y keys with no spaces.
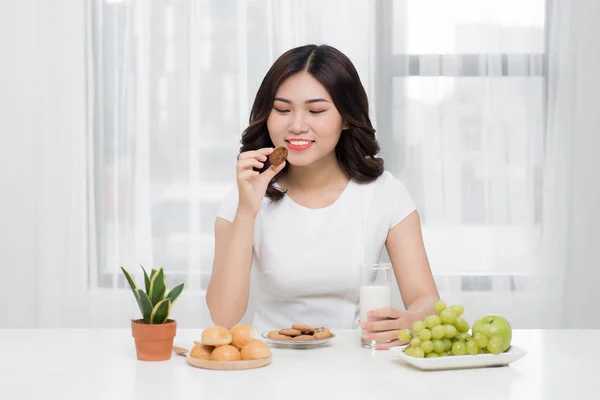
{"x":375,"y":292}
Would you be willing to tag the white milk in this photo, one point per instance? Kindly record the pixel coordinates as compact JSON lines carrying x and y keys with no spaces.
{"x":373,"y":297}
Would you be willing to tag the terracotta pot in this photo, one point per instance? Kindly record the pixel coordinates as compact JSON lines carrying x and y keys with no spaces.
{"x":153,"y":342}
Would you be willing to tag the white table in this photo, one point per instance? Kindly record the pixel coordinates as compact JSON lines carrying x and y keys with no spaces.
{"x":101,"y":364}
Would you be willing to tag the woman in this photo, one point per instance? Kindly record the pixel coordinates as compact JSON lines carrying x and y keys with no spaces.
{"x":307,"y":224}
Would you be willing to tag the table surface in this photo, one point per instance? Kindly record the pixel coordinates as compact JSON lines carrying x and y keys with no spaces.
{"x":101,"y":364}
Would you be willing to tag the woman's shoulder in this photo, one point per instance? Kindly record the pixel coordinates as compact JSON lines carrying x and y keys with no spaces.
{"x":387,"y":183}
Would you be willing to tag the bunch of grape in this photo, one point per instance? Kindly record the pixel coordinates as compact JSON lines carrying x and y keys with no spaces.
{"x":446,"y":333}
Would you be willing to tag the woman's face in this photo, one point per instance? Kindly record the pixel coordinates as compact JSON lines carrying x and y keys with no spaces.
{"x":304,"y":120}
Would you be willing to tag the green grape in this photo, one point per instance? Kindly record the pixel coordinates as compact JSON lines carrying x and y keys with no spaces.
{"x":427,"y":346}
{"x":444,"y":354}
{"x":432,"y":355}
{"x":472,"y":347}
{"x":463,"y":337}
{"x":481,"y":340}
{"x":449,"y":353}
{"x":425,"y":334}
{"x":450,"y":331}
{"x":461,"y":325}
{"x":415,"y":352}
{"x":495,"y":345}
{"x":447,"y":344}
{"x":438,"y":332}
{"x":415,"y":342}
{"x":459,"y":348}
{"x":404,"y":335}
{"x":458,"y":309}
{"x":494,"y":348}
{"x":418,"y":326}
{"x":438,"y":346}
{"x":482,"y":351}
{"x":432,"y":321}
{"x":439,"y":306}
{"x":448,"y":316}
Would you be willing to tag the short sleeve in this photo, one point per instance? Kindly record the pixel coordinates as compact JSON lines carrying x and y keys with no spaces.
{"x":229,"y":205}
{"x":404,"y":204}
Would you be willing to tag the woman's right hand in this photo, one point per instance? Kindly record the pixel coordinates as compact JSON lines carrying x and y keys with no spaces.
{"x":252,"y":185}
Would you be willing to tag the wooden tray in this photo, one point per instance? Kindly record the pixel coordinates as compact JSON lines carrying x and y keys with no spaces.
{"x":228,"y":365}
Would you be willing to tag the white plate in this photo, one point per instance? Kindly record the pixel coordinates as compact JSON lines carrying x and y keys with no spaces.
{"x":297,"y":344}
{"x":456,"y":362}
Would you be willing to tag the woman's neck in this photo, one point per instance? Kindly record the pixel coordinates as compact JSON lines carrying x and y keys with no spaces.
{"x":316,"y":176}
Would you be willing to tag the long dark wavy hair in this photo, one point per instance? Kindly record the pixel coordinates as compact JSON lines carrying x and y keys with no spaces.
{"x":357,"y":146}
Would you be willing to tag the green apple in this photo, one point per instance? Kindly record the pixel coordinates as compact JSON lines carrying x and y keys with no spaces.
{"x":492,"y":325}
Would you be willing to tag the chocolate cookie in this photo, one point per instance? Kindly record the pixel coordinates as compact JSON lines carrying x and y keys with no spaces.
{"x":304,"y":337}
{"x":322,"y":333}
{"x":278,"y":155}
{"x":290,"y":332}
{"x":304,"y":328}
{"x":275,"y":335}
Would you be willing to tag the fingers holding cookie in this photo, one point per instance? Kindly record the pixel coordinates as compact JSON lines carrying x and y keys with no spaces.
{"x":278,"y":156}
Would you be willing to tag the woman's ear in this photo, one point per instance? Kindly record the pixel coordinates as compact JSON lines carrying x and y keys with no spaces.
{"x":345,"y":126}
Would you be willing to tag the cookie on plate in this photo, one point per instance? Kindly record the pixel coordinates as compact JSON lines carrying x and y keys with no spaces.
{"x":304,"y":328}
{"x":290,"y":332}
{"x":304,"y":337}
{"x":322,"y":333}
{"x":275,"y":335}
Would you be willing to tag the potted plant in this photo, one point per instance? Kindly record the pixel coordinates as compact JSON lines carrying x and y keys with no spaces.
{"x":154,"y":332}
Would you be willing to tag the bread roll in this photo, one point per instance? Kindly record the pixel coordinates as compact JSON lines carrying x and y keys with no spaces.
{"x":255,"y":350}
{"x":201,"y":352}
{"x":241,"y":334}
{"x":216,"y":336}
{"x":225,"y":353}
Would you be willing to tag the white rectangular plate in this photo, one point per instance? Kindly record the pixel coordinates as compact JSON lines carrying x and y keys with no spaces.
{"x":456,"y":362}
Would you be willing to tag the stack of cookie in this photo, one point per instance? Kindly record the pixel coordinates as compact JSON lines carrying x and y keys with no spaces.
{"x":300,"y":332}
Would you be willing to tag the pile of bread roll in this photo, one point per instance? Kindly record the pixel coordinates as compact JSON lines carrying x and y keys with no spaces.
{"x":221,"y":344}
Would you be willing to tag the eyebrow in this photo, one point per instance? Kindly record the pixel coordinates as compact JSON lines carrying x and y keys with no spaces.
{"x":318,"y":100}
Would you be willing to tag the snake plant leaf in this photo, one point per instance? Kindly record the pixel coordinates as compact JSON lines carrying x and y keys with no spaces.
{"x":131,"y":281}
{"x":146,"y":280}
{"x":158,"y":286}
{"x":174,"y":293}
{"x":145,"y":305}
{"x":160,"y":313}
{"x":152,"y":273}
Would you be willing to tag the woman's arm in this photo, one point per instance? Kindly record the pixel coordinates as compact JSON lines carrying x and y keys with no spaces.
{"x":229,"y":287}
{"x":411,"y":266}
{"x":414,"y":278}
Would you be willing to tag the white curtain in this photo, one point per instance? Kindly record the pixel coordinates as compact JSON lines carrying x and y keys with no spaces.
{"x":459,"y":96}
{"x":569,"y":252}
{"x":457,"y":92}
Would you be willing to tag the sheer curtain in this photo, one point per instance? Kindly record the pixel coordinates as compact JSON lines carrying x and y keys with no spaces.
{"x":457,"y":93}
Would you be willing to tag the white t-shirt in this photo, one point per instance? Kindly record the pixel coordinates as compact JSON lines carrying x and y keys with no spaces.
{"x":306,"y":261}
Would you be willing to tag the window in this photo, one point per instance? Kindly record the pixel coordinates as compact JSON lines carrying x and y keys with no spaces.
{"x":457,"y":92}
{"x":466,"y":108}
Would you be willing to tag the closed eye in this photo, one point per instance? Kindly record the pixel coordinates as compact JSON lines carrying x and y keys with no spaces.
{"x":317,"y":112}
{"x":281,"y":111}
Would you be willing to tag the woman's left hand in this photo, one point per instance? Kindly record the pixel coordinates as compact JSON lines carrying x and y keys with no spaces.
{"x":386,"y":329}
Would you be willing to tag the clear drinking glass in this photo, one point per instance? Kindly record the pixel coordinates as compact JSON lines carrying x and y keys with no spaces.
{"x":375,"y":292}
